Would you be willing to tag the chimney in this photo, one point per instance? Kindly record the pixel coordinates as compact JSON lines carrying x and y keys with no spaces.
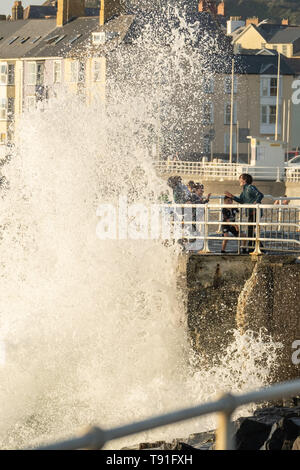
{"x":221,"y":9}
{"x":285,"y":21}
{"x":207,"y":6}
{"x":17,"y":11}
{"x":68,"y":9}
{"x":253,"y":20}
{"x":108,"y":9}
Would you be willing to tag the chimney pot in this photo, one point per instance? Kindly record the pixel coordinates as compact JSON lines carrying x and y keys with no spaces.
{"x":108,"y":9}
{"x":253,"y":20}
{"x":68,"y":9}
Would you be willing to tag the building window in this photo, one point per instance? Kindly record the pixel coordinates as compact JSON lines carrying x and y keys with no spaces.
{"x":208,"y":85}
{"x":2,"y":138}
{"x":284,"y":50}
{"x":99,"y":38}
{"x":227,"y":84}
{"x":40,"y":73}
{"x":97,"y":70}
{"x":227,"y":143}
{"x":74,"y":71}
{"x":36,"y":73}
{"x":269,"y":87}
{"x":268,"y":114}
{"x":3,"y":109}
{"x":81,"y":72}
{"x":10,"y":109}
{"x":30,"y":102}
{"x":77,"y":71}
{"x":206,"y":145}
{"x":11,"y":74}
{"x":57,"y":71}
{"x":3,"y":74}
{"x":207,"y":113}
{"x":275,"y":48}
{"x":31,"y":73}
{"x":273,"y":87}
{"x":227,"y":113}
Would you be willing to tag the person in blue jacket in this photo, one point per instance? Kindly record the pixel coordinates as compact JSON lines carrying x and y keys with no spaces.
{"x":249,"y":195}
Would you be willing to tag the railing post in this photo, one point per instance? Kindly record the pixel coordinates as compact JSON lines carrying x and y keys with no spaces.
{"x":205,"y":242}
{"x":225,"y":427}
{"x":278,"y":175}
{"x":257,"y":250}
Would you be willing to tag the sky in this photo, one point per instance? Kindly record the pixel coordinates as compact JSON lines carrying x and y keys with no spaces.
{"x":6,"y":5}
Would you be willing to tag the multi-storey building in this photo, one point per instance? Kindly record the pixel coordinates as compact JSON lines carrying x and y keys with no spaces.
{"x":74,"y":50}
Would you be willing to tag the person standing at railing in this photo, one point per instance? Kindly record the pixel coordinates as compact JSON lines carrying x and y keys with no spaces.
{"x":228,"y":216}
{"x":249,"y":195}
{"x":199,"y":191}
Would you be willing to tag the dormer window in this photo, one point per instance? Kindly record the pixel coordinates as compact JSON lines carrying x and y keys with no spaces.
{"x":99,"y":38}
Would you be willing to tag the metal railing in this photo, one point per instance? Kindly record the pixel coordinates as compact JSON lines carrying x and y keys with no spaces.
{"x":96,"y":438}
{"x":273,"y":228}
{"x":228,"y":171}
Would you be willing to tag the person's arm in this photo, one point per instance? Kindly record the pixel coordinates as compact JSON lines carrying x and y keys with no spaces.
{"x":239,"y":200}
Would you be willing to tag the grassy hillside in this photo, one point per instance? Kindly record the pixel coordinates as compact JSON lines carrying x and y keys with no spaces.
{"x":272,"y":9}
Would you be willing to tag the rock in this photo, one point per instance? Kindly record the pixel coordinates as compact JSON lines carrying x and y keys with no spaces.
{"x":251,"y":433}
{"x":283,"y":434}
{"x":296,"y":445}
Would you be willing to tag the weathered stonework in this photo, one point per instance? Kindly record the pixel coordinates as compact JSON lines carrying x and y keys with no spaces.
{"x":229,"y":292}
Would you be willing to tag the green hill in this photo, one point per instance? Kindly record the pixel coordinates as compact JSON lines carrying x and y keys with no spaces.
{"x":272,"y":9}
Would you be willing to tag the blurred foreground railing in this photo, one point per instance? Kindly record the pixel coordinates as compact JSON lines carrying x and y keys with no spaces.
{"x":96,"y":438}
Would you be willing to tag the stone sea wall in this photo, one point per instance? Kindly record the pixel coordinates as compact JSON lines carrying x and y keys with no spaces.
{"x":225,"y":293}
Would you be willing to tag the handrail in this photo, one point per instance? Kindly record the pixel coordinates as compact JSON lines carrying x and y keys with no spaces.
{"x":190,"y":222}
{"x":96,"y":438}
{"x":223,"y":170}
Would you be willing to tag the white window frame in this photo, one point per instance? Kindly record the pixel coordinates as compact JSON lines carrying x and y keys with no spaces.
{"x":228,"y":82}
{"x":10,"y":74}
{"x":268,"y":115}
{"x":41,"y":74}
{"x":97,"y":70}
{"x":227,"y":114}
{"x":208,"y":85}
{"x":31,"y":73}
{"x":3,"y":109}
{"x":3,"y":73}
{"x":227,"y":143}
{"x":74,"y":71}
{"x":30,"y":102}
{"x":208,"y":113}
{"x":265,"y":86}
{"x":99,"y":38}
{"x":57,"y":72}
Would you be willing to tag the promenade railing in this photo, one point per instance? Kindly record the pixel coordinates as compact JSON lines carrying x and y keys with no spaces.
{"x":228,"y":171}
{"x":96,"y":438}
{"x":267,"y":227}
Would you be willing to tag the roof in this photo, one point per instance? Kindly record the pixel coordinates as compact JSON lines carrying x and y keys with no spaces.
{"x":294,"y":64}
{"x":26,"y":30}
{"x":286,"y":36}
{"x":261,"y":65}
